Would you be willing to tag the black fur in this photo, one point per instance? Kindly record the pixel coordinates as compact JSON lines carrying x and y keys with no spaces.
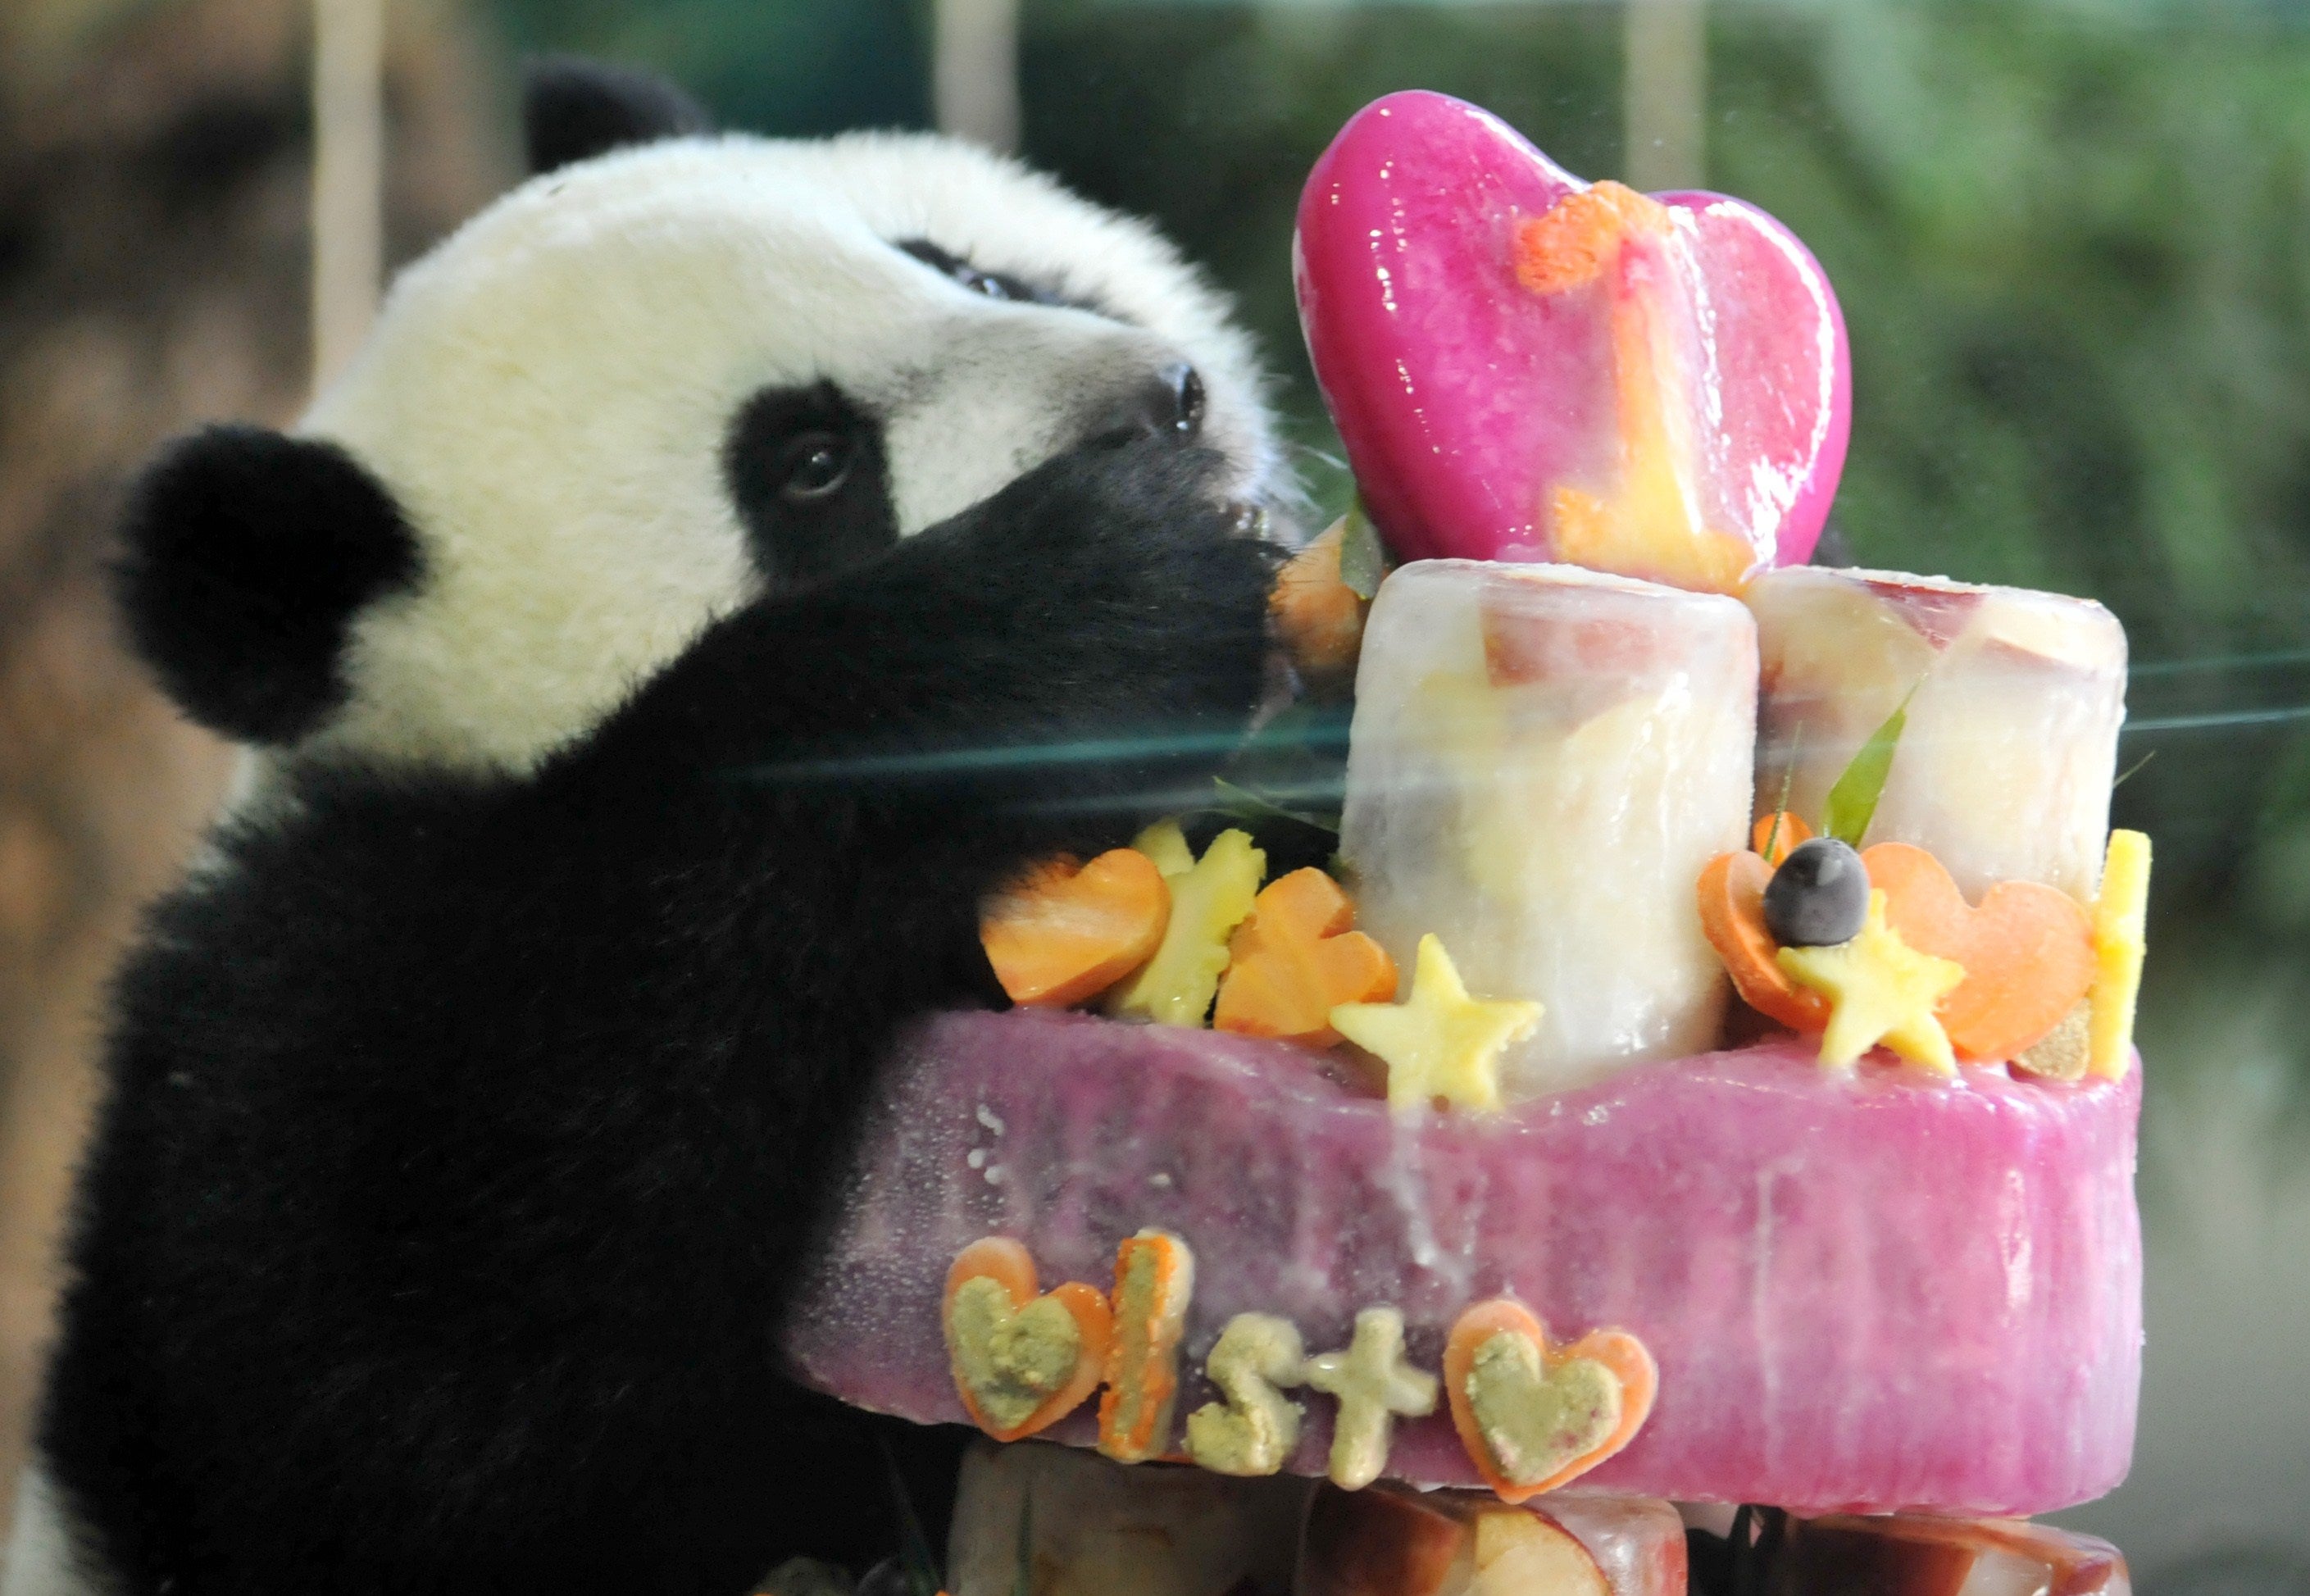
{"x":573,"y":109}
{"x":465,"y":1134}
{"x":245,"y":555}
{"x":806,"y":469}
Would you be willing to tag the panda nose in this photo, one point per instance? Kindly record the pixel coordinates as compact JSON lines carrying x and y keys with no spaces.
{"x":1167,"y":404}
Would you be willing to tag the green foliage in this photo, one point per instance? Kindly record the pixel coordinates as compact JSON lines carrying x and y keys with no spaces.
{"x":1852,"y":801}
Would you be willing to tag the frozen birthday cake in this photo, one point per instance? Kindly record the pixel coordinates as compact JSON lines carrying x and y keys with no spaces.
{"x":1685,"y":1136}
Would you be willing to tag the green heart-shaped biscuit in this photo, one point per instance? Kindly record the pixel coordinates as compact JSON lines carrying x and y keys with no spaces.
{"x":1536,"y":1420}
{"x":1013,"y":1359}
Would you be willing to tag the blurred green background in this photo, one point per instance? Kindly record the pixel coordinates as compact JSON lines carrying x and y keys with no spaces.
{"x":2073,"y":242}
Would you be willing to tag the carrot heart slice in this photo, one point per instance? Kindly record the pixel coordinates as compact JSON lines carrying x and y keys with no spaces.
{"x":1732,"y":914}
{"x":1296,"y":959}
{"x":1535,"y":1416}
{"x":1022,"y":1362}
{"x":2027,"y":950}
{"x":1066,"y":934}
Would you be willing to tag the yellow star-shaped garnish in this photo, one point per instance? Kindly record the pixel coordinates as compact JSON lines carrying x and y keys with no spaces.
{"x":1880,"y":989}
{"x":1439,"y":1042}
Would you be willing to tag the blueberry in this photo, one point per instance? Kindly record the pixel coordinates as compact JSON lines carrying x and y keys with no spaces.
{"x":1818,"y":896}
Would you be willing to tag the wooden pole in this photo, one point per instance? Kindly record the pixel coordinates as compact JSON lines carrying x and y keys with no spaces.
{"x":348,"y":177}
{"x":975,"y":71}
{"x":1664,"y":96}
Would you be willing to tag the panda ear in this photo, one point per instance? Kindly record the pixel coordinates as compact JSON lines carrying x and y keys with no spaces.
{"x":246,"y":557}
{"x":573,"y":109}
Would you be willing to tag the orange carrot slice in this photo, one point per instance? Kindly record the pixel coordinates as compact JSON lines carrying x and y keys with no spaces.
{"x":2027,"y":950}
{"x":1154,"y":1279}
{"x":1775,"y":834}
{"x":1296,"y":959}
{"x":1623,"y":1355}
{"x":1063,"y":936}
{"x":1318,"y":616}
{"x":1732,"y":914}
{"x":1008,"y":1265}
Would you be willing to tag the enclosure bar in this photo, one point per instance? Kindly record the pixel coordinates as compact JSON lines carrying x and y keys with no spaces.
{"x":348,"y":177}
{"x":1664,"y":94}
{"x":975,"y":71}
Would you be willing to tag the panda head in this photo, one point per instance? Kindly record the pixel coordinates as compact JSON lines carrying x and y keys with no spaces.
{"x":671,"y":372}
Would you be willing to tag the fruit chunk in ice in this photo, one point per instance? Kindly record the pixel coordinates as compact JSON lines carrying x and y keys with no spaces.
{"x":1105,"y":1529}
{"x":1526,"y":367}
{"x":2005,"y":761}
{"x":1862,"y":1292}
{"x":1542,"y":759}
{"x":1911,"y":1555}
{"x":1387,"y":1541}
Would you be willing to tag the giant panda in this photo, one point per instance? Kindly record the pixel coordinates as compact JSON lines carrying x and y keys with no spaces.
{"x":727,"y":561}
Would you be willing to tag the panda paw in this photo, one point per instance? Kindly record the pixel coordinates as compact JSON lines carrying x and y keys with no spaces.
{"x":1118,"y":574}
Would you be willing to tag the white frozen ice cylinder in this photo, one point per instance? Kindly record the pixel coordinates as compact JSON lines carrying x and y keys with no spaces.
{"x":2004,"y":764}
{"x":1542,"y":759}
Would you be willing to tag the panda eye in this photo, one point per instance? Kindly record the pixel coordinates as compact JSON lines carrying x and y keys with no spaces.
{"x":805,"y":470}
{"x":992,"y":285}
{"x":813,"y":464}
{"x":980,"y":282}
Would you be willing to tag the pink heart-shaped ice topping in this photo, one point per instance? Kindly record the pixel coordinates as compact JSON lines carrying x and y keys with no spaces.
{"x":1524,"y":366}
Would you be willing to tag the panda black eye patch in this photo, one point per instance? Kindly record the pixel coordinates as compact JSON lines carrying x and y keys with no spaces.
{"x":994,"y":285}
{"x":806,"y":473}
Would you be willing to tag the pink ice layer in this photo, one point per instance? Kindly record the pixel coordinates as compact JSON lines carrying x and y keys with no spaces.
{"x":1864,"y":1292}
{"x":1462,"y":398}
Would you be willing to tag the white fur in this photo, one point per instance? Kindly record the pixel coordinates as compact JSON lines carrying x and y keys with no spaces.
{"x":38,"y":1559}
{"x":549,"y":392}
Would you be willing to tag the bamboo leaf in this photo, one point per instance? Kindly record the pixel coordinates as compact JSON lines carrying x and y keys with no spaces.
{"x":1362,"y":560}
{"x":1243,"y":804}
{"x":1851,"y":803}
{"x":1788,"y":782}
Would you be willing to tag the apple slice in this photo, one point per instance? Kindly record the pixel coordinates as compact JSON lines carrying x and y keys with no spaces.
{"x":1638,"y":1541}
{"x":1096,"y":1528}
{"x":1911,"y":1555}
{"x":1386,"y":1540}
{"x":1529,"y":1554}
